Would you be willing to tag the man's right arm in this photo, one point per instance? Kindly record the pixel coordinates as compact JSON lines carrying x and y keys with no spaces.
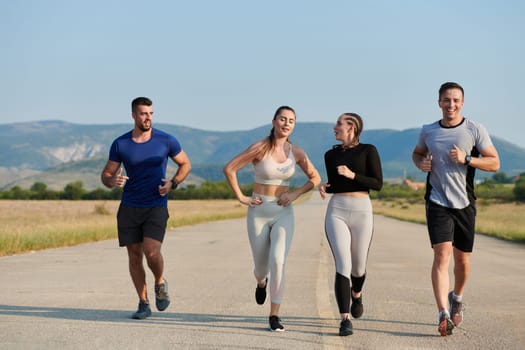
{"x":421,"y":159}
{"x":112,"y":175}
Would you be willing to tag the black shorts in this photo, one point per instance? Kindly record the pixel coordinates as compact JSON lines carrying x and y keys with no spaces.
{"x":451,"y":225}
{"x":136,"y":223}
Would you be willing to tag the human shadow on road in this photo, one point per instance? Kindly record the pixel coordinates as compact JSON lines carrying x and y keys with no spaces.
{"x":255,"y":322}
{"x":307,"y":325}
{"x":409,"y":323}
{"x":374,"y":327}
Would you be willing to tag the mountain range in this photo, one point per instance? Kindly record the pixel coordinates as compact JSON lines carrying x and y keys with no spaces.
{"x":57,"y":152}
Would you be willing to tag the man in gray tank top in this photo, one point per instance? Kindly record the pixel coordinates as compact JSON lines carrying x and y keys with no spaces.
{"x":449,"y":151}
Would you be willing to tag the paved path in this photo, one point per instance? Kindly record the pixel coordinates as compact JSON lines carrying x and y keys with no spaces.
{"x":81,"y":297}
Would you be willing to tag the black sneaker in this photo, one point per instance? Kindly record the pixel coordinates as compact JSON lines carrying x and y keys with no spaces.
{"x":275,"y":324}
{"x":445,"y":325}
{"x":162,"y":299}
{"x":346,"y":328}
{"x":356,"y":309}
{"x":456,"y":310}
{"x":142,"y":312}
{"x":260,"y":293}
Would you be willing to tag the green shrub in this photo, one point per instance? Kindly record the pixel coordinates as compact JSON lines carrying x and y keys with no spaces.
{"x":519,"y":189}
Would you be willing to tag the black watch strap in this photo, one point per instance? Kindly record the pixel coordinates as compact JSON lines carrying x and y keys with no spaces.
{"x":174,"y":184}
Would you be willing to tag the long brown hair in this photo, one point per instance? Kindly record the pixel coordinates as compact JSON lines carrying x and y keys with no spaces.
{"x":269,"y":142}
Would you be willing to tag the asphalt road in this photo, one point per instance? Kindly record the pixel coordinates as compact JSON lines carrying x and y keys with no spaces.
{"x":82,"y":297}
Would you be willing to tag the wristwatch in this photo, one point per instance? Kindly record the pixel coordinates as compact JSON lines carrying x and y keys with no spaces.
{"x":468,"y":158}
{"x":174,"y":184}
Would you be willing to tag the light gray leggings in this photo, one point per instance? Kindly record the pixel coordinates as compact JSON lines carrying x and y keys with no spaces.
{"x":349,"y":225}
{"x":270,"y":230}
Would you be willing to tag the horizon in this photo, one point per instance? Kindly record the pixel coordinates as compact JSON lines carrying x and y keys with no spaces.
{"x":239,"y":130}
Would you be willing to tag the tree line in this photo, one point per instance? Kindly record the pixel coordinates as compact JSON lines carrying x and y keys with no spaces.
{"x":499,"y":187}
{"x":76,"y":191}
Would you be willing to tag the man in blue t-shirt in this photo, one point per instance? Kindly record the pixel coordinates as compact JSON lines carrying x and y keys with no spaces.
{"x":448,"y":150}
{"x":143,"y":212}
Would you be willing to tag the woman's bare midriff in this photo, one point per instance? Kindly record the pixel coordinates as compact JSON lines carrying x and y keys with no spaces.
{"x":353,"y":194}
{"x":270,"y":190}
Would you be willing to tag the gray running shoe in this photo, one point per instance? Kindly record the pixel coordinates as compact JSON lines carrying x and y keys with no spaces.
{"x":142,"y":312}
{"x":275,"y":324}
{"x":162,"y":299}
{"x":456,"y":310}
{"x":445,"y":325}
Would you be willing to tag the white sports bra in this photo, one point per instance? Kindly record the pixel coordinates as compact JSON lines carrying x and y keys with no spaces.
{"x":269,"y":172}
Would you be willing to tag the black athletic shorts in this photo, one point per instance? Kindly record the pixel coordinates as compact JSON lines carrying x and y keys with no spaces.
{"x":451,"y":225}
{"x":136,"y":223}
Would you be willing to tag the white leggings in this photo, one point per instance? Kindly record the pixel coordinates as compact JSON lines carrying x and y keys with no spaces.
{"x":349,"y":226}
{"x":270,"y":230}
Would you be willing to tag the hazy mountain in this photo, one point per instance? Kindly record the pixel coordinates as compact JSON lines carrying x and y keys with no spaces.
{"x":56,"y":152}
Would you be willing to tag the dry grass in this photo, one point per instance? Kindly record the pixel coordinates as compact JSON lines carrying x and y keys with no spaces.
{"x":35,"y":225}
{"x":502,"y":220}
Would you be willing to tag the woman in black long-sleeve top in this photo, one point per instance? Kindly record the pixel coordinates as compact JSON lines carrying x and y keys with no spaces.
{"x":353,"y":170}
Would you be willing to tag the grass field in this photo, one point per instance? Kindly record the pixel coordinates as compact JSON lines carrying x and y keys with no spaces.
{"x":502,"y":220}
{"x":35,"y":225}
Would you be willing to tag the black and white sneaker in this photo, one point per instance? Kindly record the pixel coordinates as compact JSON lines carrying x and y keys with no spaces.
{"x":275,"y":324}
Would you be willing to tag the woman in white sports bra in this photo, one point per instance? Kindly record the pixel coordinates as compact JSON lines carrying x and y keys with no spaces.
{"x":270,"y":217}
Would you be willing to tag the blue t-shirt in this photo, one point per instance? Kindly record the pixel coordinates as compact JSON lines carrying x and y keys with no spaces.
{"x":145,"y":165}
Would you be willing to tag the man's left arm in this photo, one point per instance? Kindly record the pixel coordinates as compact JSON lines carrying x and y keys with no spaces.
{"x":489,"y":160}
{"x":184,"y":166}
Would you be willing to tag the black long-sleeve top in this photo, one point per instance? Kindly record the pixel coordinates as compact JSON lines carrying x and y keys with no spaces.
{"x":363,"y":160}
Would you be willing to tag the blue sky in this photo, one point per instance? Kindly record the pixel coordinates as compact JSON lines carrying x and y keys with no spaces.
{"x":227,"y":65}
